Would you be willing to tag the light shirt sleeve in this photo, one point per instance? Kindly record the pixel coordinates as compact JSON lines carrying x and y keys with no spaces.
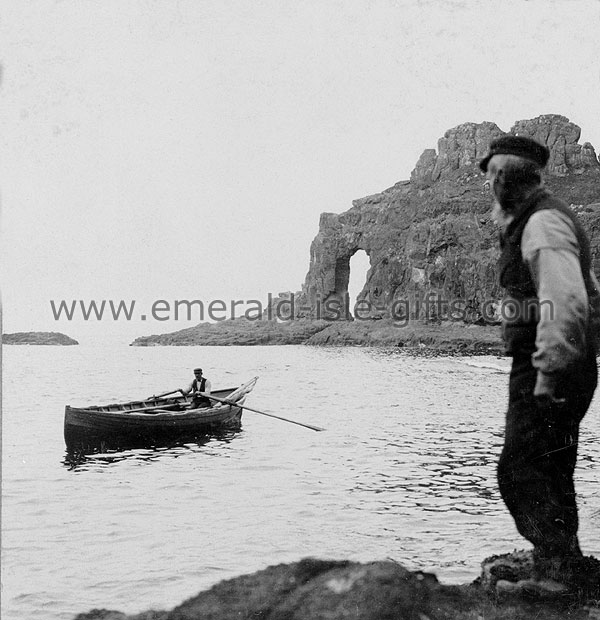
{"x":207,"y":387}
{"x":550,"y":248}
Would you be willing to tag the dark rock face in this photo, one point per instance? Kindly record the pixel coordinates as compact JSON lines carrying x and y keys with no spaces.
{"x":583,"y":578}
{"x":238,"y":332}
{"x":431,"y":244}
{"x":49,"y":338}
{"x":307,"y":589}
{"x":561,"y":137}
{"x":463,"y":146}
{"x":340,"y":590}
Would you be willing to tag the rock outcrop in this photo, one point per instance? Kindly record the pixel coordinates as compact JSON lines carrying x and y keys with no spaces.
{"x":431,"y":245}
{"x":44,"y":338}
{"x":339,"y":590}
{"x":445,"y":338}
{"x":432,"y":250}
{"x":239,"y":332}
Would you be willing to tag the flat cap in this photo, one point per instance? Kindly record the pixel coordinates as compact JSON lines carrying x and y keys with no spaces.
{"x":517,"y":145}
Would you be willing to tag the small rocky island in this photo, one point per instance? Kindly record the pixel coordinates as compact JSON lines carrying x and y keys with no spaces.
{"x":38,"y":338}
{"x":432,"y":249}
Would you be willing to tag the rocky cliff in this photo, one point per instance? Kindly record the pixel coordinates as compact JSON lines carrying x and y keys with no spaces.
{"x":431,"y":245}
{"x":432,"y":250}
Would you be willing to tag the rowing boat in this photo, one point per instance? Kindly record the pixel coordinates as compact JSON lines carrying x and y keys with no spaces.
{"x":156,"y":418}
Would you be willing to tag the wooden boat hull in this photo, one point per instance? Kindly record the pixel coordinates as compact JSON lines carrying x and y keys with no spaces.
{"x":153,"y":420}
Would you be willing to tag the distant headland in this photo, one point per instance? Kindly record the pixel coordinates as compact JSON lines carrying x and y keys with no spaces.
{"x":41,"y":338}
{"x":432,"y":249}
{"x":443,"y":337}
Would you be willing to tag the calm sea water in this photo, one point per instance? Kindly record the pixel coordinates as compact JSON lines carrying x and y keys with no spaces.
{"x":405,"y":470}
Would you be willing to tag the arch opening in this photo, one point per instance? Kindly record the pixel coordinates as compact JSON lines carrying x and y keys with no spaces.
{"x":359,"y":266}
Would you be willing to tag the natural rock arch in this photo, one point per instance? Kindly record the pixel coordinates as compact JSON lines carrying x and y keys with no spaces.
{"x":431,"y":237}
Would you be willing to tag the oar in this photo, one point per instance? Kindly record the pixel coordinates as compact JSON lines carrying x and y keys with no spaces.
{"x":228,"y":402}
{"x":165,"y":394}
{"x":139,"y":410}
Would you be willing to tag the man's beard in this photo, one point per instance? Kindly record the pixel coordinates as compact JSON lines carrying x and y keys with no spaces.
{"x":508,"y":195}
{"x":500,"y":217}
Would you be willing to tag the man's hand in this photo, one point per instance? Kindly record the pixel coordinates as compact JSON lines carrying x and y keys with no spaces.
{"x":545,"y":390}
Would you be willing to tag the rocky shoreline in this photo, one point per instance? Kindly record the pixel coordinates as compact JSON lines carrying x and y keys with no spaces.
{"x":444,"y":337}
{"x":38,"y":338}
{"x":433,"y":279}
{"x":340,"y":590}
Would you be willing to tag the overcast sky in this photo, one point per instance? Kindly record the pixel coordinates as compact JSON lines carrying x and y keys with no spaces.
{"x":185,"y":149}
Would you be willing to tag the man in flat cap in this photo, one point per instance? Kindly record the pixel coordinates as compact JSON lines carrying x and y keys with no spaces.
{"x":199,"y":386}
{"x":550,"y":329}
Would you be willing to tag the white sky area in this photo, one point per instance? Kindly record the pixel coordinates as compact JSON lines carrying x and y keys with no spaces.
{"x":185,"y":149}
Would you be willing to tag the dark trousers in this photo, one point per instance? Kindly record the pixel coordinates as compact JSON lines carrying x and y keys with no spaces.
{"x":198,"y":402}
{"x":535,"y":471}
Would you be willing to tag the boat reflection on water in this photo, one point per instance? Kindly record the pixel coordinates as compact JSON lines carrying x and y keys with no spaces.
{"x":88,"y":452}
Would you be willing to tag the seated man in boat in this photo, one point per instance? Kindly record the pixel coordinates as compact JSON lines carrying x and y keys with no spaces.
{"x":198,"y":386}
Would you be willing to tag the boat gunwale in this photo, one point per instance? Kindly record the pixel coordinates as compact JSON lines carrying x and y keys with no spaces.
{"x":160,"y":414}
{"x":151,"y":402}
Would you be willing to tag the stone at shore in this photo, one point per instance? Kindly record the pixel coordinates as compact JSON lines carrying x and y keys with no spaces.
{"x":43,"y":338}
{"x":342,"y":590}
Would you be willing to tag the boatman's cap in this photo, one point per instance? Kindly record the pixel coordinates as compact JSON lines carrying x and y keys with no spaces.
{"x":197,"y":369}
{"x":517,"y":145}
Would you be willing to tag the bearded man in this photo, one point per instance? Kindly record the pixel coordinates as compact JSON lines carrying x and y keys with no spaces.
{"x":550,"y":328}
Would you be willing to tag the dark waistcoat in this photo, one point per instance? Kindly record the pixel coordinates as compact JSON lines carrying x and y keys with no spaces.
{"x":202,"y":385}
{"x":515,"y":276}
